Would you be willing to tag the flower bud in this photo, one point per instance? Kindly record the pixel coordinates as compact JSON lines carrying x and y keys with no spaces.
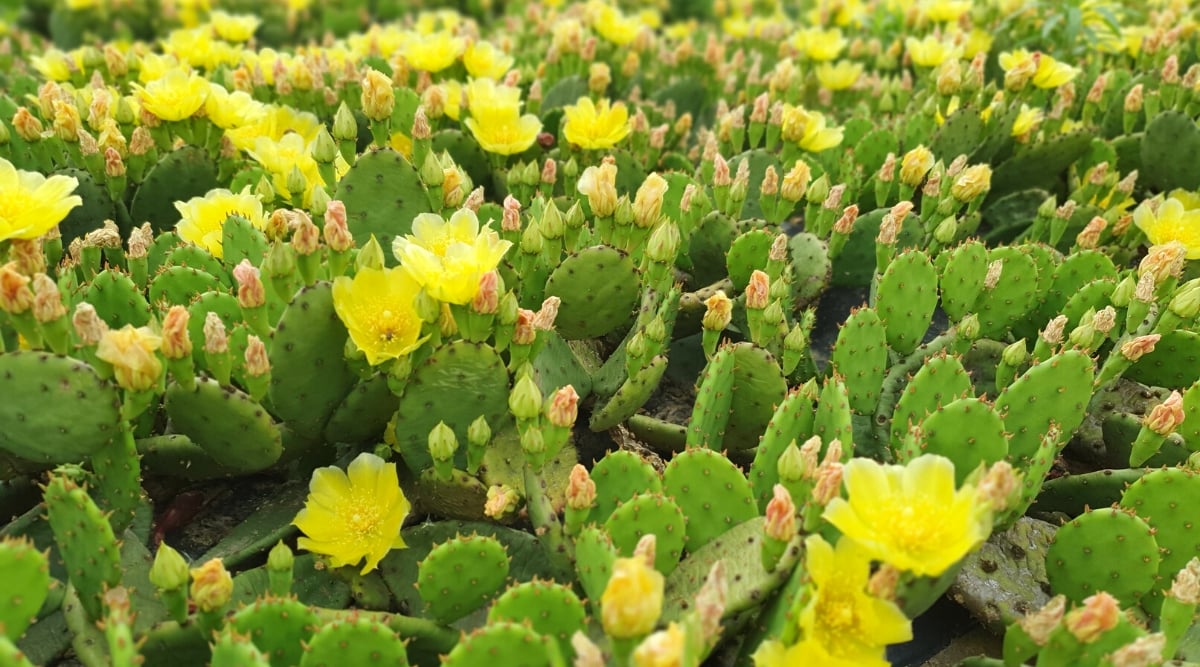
{"x":781,"y":515}
{"x":581,"y":490}
{"x":523,"y":331}
{"x":662,"y":648}
{"x":647,"y":205}
{"x":758,"y":290}
{"x":719,"y":312}
{"x":169,"y":571}
{"x":47,"y":300}
{"x":1099,"y":614}
{"x":89,"y":328}
{"x":972,"y":182}
{"x":1186,"y":302}
{"x":345,"y":127}
{"x":543,"y":319}
{"x":442,"y":442}
{"x":307,"y":238}
{"x":829,"y":482}
{"x":1141,"y":652}
{"x":1053,"y":333}
{"x":250,"y":293}
{"x":1135,"y":348}
{"x":511,"y":221}
{"x":632,"y":599}
{"x":502,"y":500}
{"x":563,"y":407}
{"x":796,"y":182}
{"x":1041,"y":623}
{"x":1165,"y":418}
{"x":664,"y":243}
{"x":378,"y":96}
{"x":915,"y":164}
{"x":212,"y":586}
{"x":487,"y":296}
{"x":258,"y":363}
{"x":599,"y":185}
{"x":15,"y":295}
{"x":525,"y":400}
{"x":1163,"y":261}
{"x":1186,"y":586}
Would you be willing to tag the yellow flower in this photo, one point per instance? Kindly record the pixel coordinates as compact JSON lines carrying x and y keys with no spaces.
{"x":280,"y":157}
{"x":930,"y":51}
{"x":131,"y":353}
{"x":483,"y":59}
{"x":1026,"y":121}
{"x":664,"y":648}
{"x":154,"y":66}
{"x":503,"y":132}
{"x":487,"y":97}
{"x":841,"y":617}
{"x":839,"y":76}
{"x":1172,"y":221}
{"x":806,"y":652}
{"x":977,"y":41}
{"x":401,"y":143}
{"x":599,"y":185}
{"x":229,"y":110}
{"x":820,"y":45}
{"x":452,"y":105}
{"x":203,"y":218}
{"x":448,"y":257}
{"x":31,"y":204}
{"x":377,"y":307}
{"x":354,"y":515}
{"x":632,"y":600}
{"x":275,"y":123}
{"x":1052,"y":73}
{"x":612,"y":24}
{"x":433,"y":53}
{"x":234,"y":27}
{"x":807,"y":128}
{"x":910,"y":516}
{"x":56,"y":65}
{"x":595,"y":126}
{"x":175,"y":96}
{"x":945,"y":11}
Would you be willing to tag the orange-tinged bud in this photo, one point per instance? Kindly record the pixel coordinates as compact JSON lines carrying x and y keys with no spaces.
{"x":47,"y":300}
{"x":250,"y":293}
{"x":1098,"y":615}
{"x":1166,"y":417}
{"x":1135,"y":99}
{"x":1089,"y":238}
{"x":131,"y":352}
{"x":501,"y":501}
{"x":487,"y":297}
{"x":563,"y":409}
{"x":176,"y":342}
{"x":581,"y":490}
{"x":719,"y":312}
{"x":140,"y":142}
{"x":664,"y":648}
{"x":257,"y":362}
{"x":307,"y":238}
{"x":27,"y":125}
{"x":337,"y":232}
{"x":523,"y":330}
{"x":212,"y":586}
{"x":15,"y":295}
{"x":721,"y":174}
{"x":1039,"y":624}
{"x":1163,"y":261}
{"x":543,"y":320}
{"x":88,"y":325}
{"x":781,"y":515}
{"x":1135,"y":348}
{"x":216,"y":341}
{"x":511,"y":220}
{"x":845,"y":223}
{"x":829,"y":482}
{"x":114,"y":166}
{"x":833,"y":200}
{"x":758,"y":291}
{"x":378,"y":96}
{"x":67,"y":122}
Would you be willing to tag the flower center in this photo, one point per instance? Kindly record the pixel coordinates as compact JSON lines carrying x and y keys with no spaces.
{"x":390,"y":325}
{"x":15,"y":204}
{"x":362,"y":519}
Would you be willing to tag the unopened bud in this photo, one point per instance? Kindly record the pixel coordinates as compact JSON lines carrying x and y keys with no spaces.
{"x":1089,"y":238}
{"x":257,"y":361}
{"x":758,"y":290}
{"x":378,"y":96}
{"x":563,"y":407}
{"x":1040,"y":624}
{"x":781,"y":515}
{"x":581,"y":490}
{"x":1165,"y":418}
{"x":88,"y":325}
{"x":212,"y":586}
{"x":1053,"y":333}
{"x":502,"y":500}
{"x":47,"y":300}
{"x":1099,"y":614}
{"x":250,"y":293}
{"x":216,"y":341}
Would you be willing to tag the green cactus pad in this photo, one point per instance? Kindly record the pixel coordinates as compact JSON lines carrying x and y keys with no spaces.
{"x":116,"y":299}
{"x":941,"y":380}
{"x":906,"y":298}
{"x":178,"y":176}
{"x":230,"y":426}
{"x":364,"y":414}
{"x":748,"y":252}
{"x":1073,"y":494}
{"x":279,"y":627}
{"x":27,"y":575}
{"x":1171,"y":140}
{"x":461,"y":575}
{"x":871,"y":151}
{"x":1039,"y":164}
{"x":811,"y":268}
{"x":467,"y":154}
{"x":463,"y":381}
{"x":1076,"y":270}
{"x":178,"y":285}
{"x":502,"y":644}
{"x":224,"y":304}
{"x":558,"y":365}
{"x":758,"y":386}
{"x":792,"y":422}
{"x":860,"y":357}
{"x":231,"y":650}
{"x":959,"y":135}
{"x":749,"y":583}
{"x":547,"y":608}
{"x":712,"y":492}
{"x":1167,"y":500}
{"x":1093,"y":296}
{"x":164,"y":244}
{"x":966,"y":431}
{"x":594,"y":556}
{"x":85,"y":541}
{"x":1107,"y":549}
{"x":1055,"y":391}
{"x":55,"y":409}
{"x":833,"y":420}
{"x":309,"y":374}
{"x":1013,"y":296}
{"x":1190,"y":428}
{"x":714,"y":401}
{"x":708,"y":246}
{"x":195,"y":257}
{"x":759,"y":159}
{"x":1174,"y":363}
{"x":96,"y":208}
{"x":240,"y":239}
{"x":855,"y":265}
{"x":599,"y":289}
{"x":177,"y":456}
{"x":619,"y":476}
{"x":118,"y":476}
{"x":356,"y":641}
{"x":459,"y":497}
{"x":963,"y":271}
{"x":630,"y":397}
{"x":646,"y":514}
{"x":11,"y":655}
{"x":382,"y":193}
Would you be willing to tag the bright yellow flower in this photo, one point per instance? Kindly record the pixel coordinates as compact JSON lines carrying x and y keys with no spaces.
{"x":229,"y":110}
{"x":401,"y":143}
{"x":483,"y":59}
{"x":944,"y":11}
{"x":977,"y":41}
{"x":807,"y":128}
{"x":612,"y":24}
{"x":930,"y":51}
{"x":433,"y":53}
{"x":31,"y":204}
{"x":806,"y":652}
{"x":1173,"y":221}
{"x":202,"y":219}
{"x":632,"y":600}
{"x":276,"y":122}
{"x":452,"y":105}
{"x":1027,"y":120}
{"x":1048,"y":72}
{"x":234,"y":27}
{"x":56,"y":65}
{"x":819,"y":44}
{"x":280,"y":157}
{"x":841,"y":617}
{"x":448,"y":257}
{"x":377,"y":307}
{"x":665,"y":648}
{"x":131,"y":352}
{"x":910,"y":516}
{"x":177,"y":95}
{"x":589,"y":125}
{"x":503,"y":132}
{"x":153,"y":66}
{"x":354,"y":515}
{"x":839,"y":76}
{"x":197,"y":48}
{"x":485,"y":96}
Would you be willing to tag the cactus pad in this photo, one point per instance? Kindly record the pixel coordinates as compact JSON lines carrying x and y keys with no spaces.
{"x":548,"y":608}
{"x":758,"y":386}
{"x":792,"y":422}
{"x":966,"y":431}
{"x":594,"y":556}
{"x":382,"y":193}
{"x":28,"y":581}
{"x":461,"y":575}
{"x":364,"y":414}
{"x":230,"y":426}
{"x":630,"y":396}
{"x":178,"y":285}
{"x":645,"y":514}
{"x":940,"y":380}
{"x":1107,"y":549}
{"x":906,"y":298}
{"x":1174,"y":363}
{"x":178,"y":176}
{"x":117,"y":300}
{"x":356,"y":641}
{"x":748,"y":252}
{"x":963,"y":271}
{"x":85,"y":540}
{"x":1054,"y":391}
{"x":501,"y":644}
{"x":1167,"y":500}
{"x":599,"y":289}
{"x":1171,"y":140}
{"x":713,"y":494}
{"x":278,"y":627}
{"x":1014,"y":294}
{"x":619,"y":476}
{"x":860,"y":357}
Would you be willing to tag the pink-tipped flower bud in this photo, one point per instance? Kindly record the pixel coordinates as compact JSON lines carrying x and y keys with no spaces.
{"x":250,"y":293}
{"x":307,"y":238}
{"x":581,"y":490}
{"x":1099,"y":614}
{"x":337,"y":230}
{"x":258,"y":363}
{"x":89,"y":328}
{"x":1136,"y":348}
{"x":524,"y":332}
{"x":216,"y":341}
{"x":487,"y":297}
{"x":511,"y":221}
{"x":722,"y":177}
{"x":758,"y":291}
{"x":563,"y":407}
{"x":829,"y":483}
{"x":781,"y":515}
{"x":1165,"y":418}
{"x":1089,"y":238}
{"x":176,"y":343}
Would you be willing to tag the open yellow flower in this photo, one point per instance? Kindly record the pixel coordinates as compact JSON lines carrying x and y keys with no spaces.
{"x":589,"y":125}
{"x":1027,"y":120}
{"x":820,"y":44}
{"x":1047,"y":71}
{"x":448,"y":257}
{"x":31,"y":204}
{"x":611,"y":24}
{"x":807,"y":128}
{"x":632,"y":599}
{"x":839,"y":76}
{"x":175,"y":96}
{"x":434,"y":52}
{"x":930,"y":51}
{"x":486,"y":97}
{"x":280,"y":157}
{"x":378,"y":308}
{"x":202,"y":219}
{"x":503,"y":132}
{"x":1173,"y":220}
{"x":354,"y":515}
{"x":131,"y":352}
{"x":234,"y":27}
{"x":231,"y":110}
{"x":910,"y":516}
{"x":483,"y":59}
{"x":944,"y":11}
